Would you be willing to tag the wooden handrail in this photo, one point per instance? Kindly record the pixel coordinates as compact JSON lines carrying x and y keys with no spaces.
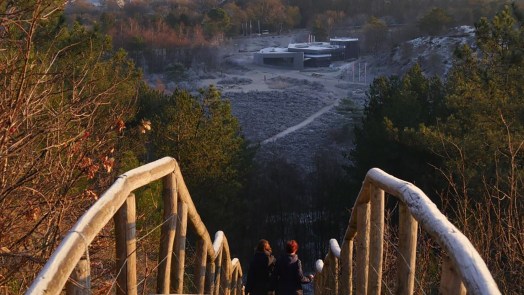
{"x":216,"y":273}
{"x":118,"y":198}
{"x":416,"y":208}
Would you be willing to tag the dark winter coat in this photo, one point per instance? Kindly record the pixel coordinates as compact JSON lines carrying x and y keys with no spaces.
{"x":288,"y":275}
{"x":258,"y":276}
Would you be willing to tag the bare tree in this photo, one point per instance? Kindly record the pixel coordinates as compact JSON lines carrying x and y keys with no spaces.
{"x":64,"y":98}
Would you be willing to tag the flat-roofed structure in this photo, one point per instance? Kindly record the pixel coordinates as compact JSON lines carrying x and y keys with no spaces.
{"x":316,"y":54}
{"x":312,"y":54}
{"x":281,"y":57}
{"x":312,"y":48}
{"x":350,"y":45}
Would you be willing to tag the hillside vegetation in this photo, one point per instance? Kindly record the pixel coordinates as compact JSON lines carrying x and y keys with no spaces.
{"x":461,"y":139}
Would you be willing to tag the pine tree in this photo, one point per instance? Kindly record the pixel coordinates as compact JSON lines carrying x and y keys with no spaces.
{"x":203,"y":135}
{"x":397,"y":109}
{"x":481,"y":144}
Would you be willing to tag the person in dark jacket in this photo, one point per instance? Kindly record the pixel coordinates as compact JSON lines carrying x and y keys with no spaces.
{"x":260,"y":268}
{"x":288,"y":273}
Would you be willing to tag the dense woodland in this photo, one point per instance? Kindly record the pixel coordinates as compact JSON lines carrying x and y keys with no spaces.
{"x":74,"y":113}
{"x":166,"y":34}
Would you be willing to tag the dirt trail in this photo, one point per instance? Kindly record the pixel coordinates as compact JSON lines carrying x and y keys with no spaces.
{"x":301,"y":124}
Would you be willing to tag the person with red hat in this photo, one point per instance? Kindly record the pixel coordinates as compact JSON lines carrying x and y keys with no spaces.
{"x":288,"y":276}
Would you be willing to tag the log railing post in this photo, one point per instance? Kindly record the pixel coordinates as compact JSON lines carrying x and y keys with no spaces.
{"x":200,"y":266}
{"x":125,"y":233}
{"x":346,"y":268}
{"x":450,"y":281}
{"x":239,"y":280}
{"x":319,"y":283}
{"x":210,"y":277}
{"x":376,"y":243}
{"x":218,"y":272}
{"x":408,"y":227}
{"x":327,"y":279}
{"x":178,"y":262}
{"x":234,"y":281}
{"x":167,"y":234}
{"x":363,"y":216}
{"x":79,"y":282}
{"x":225,"y":278}
{"x":334,"y":272}
{"x":330,"y":282}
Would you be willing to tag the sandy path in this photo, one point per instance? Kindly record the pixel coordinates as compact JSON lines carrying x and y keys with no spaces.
{"x":301,"y":124}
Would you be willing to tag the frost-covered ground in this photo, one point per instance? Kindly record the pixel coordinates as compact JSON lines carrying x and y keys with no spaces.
{"x":434,"y":54}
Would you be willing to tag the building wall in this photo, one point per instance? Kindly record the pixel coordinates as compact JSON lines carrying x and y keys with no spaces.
{"x":297,"y":57}
{"x":352,"y":48}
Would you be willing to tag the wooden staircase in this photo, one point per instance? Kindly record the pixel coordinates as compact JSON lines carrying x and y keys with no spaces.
{"x":215,"y":272}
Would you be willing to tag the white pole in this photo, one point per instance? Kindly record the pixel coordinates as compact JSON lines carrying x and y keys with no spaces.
{"x":358,"y":72}
{"x":365,"y":74}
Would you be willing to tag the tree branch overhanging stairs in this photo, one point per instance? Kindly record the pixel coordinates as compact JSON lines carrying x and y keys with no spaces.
{"x":215,"y":271}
